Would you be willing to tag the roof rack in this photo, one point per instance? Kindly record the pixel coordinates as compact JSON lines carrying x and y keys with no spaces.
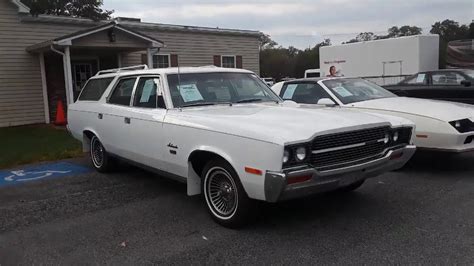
{"x":118,"y":70}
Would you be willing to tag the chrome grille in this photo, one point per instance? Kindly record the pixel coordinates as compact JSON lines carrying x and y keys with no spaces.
{"x":348,"y":148}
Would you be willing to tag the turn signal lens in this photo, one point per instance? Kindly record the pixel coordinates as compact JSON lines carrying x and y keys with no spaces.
{"x":300,"y":154}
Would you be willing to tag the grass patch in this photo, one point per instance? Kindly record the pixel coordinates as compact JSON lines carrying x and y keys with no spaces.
{"x":28,"y":144}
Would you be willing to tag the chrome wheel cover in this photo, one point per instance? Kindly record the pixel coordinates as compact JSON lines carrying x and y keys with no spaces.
{"x":221,"y":193}
{"x":97,"y":152}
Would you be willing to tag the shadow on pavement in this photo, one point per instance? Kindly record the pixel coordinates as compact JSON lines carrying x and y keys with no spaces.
{"x":427,"y":161}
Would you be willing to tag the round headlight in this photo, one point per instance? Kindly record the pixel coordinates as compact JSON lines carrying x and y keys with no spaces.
{"x":300,"y":154}
{"x":457,"y":124}
{"x":386,"y":139}
{"x":286,"y":156}
{"x":395,"y":136}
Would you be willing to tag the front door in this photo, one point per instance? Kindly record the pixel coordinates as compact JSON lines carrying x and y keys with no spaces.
{"x":81,"y":72}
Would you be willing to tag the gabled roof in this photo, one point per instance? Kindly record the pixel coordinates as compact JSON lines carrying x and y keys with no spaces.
{"x":66,"y":40}
{"x":22,"y":8}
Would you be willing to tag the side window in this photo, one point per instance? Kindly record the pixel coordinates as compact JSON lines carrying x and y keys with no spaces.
{"x":304,"y":93}
{"x":122,"y":93}
{"x":446,"y":78}
{"x":419,"y":79}
{"x":147,"y":93}
{"x":94,"y":89}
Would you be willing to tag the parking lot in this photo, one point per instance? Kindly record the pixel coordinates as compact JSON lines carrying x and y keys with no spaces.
{"x":420,"y":215}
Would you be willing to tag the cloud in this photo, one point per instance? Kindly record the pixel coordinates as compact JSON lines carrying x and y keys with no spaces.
{"x":299,"y":23}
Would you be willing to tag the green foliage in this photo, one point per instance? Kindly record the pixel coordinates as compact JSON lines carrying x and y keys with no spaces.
{"x":450,"y":30}
{"x":392,"y":32}
{"x":282,"y":62}
{"x":266,"y":42}
{"x":73,"y":8}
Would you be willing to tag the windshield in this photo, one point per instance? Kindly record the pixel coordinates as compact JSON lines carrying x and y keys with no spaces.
{"x":214,"y":88}
{"x":356,"y":90}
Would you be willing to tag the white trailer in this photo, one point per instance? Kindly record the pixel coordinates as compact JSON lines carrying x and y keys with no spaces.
{"x":382,"y":61}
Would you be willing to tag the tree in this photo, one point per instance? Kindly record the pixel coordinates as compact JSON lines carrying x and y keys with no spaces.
{"x":265,"y":42}
{"x":449,"y":30}
{"x":362,"y":37}
{"x":73,"y":8}
{"x":406,"y":30}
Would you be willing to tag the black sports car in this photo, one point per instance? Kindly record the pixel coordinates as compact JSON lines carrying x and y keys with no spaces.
{"x":448,"y":84}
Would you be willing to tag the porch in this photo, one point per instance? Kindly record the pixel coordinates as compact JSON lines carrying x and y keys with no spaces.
{"x":69,"y":61}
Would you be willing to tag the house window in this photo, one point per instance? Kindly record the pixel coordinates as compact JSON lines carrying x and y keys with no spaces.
{"x":228,"y":61}
{"x":161,"y":61}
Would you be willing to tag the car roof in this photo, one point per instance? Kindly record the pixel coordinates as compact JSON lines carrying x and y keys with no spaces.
{"x":174,"y":70}
{"x":315,"y":79}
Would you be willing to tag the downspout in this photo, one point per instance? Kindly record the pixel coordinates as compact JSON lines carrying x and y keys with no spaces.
{"x":65,"y":69}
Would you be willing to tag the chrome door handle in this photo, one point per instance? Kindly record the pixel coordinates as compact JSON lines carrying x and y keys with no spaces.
{"x":127,"y":120}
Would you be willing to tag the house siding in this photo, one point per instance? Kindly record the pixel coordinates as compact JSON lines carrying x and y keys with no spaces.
{"x":198,"y":49}
{"x":21,"y":97}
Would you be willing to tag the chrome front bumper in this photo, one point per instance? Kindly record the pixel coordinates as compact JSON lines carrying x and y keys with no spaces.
{"x":277,"y":187}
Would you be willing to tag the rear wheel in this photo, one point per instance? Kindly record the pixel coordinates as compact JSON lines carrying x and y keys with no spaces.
{"x":99,"y":157}
{"x":225,"y":197}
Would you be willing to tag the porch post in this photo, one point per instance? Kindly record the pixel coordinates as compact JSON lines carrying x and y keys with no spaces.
{"x":119,"y":60}
{"x":45,"y":89}
{"x":149,"y":56}
{"x":68,"y":75}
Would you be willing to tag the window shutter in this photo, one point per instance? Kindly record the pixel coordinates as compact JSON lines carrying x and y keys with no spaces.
{"x":144,"y":59}
{"x":217,"y":60}
{"x":174,"y":60}
{"x":238,"y":61}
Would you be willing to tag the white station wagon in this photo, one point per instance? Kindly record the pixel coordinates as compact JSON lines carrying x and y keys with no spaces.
{"x":224,"y":132}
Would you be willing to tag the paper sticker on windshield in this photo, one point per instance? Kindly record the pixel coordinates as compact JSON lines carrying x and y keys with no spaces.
{"x":290,"y":90}
{"x":190,"y":93}
{"x":420,"y":78}
{"x":148,"y":88}
{"x":342,"y":92}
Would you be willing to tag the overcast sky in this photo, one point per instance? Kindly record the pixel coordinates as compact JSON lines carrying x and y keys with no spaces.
{"x":300,"y":23}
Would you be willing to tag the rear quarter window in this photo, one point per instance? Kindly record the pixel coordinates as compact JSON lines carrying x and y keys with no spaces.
{"x":94,"y":89}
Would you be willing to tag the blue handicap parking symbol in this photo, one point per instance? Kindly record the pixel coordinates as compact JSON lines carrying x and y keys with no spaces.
{"x":42,"y":171}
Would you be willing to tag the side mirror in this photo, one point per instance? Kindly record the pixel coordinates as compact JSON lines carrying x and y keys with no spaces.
{"x":466,"y":83}
{"x":327,"y":102}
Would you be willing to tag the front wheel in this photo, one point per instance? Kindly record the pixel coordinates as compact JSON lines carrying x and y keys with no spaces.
{"x":100,"y":159}
{"x":226,"y":199}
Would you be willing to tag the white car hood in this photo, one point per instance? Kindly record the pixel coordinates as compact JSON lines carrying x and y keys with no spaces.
{"x":273,"y":123}
{"x":441,"y":110}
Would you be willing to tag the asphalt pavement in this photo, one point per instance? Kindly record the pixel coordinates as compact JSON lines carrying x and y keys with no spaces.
{"x":423,"y":214}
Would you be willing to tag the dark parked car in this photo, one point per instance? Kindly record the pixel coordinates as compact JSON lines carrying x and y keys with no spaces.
{"x":448,"y":84}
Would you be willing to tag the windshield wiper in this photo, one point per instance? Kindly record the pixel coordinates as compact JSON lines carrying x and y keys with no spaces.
{"x":251,"y":100}
{"x":198,"y":104}
{"x":205,"y":104}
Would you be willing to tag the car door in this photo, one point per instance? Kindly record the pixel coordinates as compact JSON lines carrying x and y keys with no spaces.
{"x":446,"y":85}
{"x":115,"y":118}
{"x":146,"y":142}
{"x":414,"y":86}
